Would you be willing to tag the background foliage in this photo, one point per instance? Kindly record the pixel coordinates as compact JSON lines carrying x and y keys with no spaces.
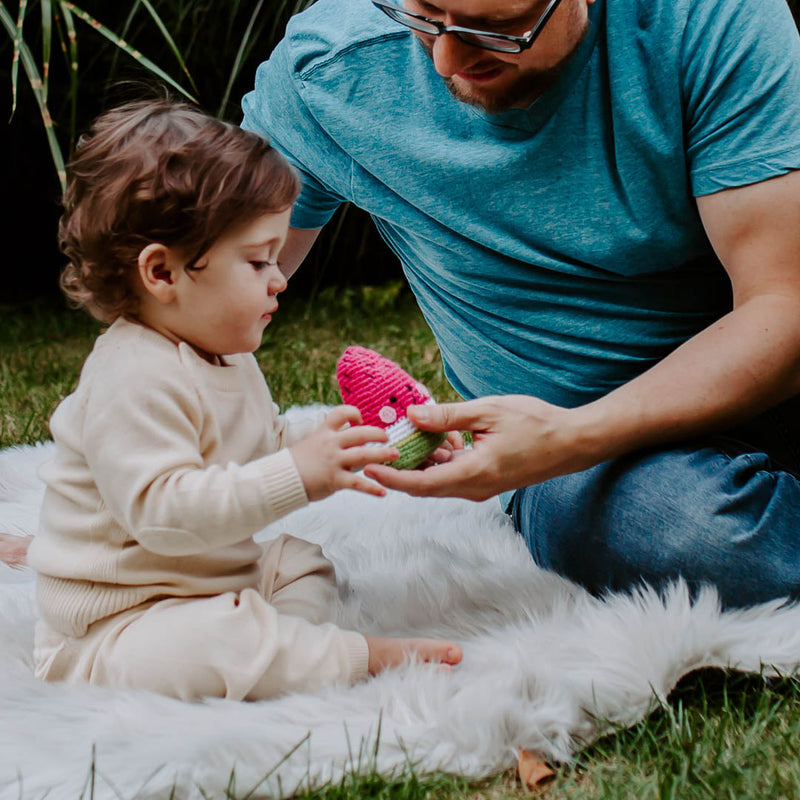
{"x":211,"y":48}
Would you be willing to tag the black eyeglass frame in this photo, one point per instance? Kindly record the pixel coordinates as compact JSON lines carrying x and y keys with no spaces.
{"x":517,"y":44}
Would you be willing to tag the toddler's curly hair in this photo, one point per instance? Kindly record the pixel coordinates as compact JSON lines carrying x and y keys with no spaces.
{"x":159,"y":171}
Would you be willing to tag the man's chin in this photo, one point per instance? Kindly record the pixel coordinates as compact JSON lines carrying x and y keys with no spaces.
{"x":495,"y":102}
{"x":489,"y":103}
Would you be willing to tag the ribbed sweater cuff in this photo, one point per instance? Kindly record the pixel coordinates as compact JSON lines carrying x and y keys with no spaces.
{"x":282,"y":484}
{"x":357,"y":654}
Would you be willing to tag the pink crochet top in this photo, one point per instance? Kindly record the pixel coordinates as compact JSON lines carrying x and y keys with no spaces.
{"x":382,"y":391}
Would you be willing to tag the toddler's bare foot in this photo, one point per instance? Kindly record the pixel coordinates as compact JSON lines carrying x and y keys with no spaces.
{"x":14,"y":549}
{"x":385,"y":652}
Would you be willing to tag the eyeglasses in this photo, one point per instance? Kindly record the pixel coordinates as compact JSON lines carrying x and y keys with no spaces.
{"x":497,"y":42}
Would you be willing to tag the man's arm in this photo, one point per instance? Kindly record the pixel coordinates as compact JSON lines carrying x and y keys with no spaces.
{"x":297,"y":246}
{"x":740,"y":365}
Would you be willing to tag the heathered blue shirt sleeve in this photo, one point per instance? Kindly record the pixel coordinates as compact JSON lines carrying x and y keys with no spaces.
{"x":276,"y":111}
{"x":741,"y":92}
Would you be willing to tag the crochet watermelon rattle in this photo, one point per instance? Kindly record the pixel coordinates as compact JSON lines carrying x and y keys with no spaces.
{"x":382,"y":391}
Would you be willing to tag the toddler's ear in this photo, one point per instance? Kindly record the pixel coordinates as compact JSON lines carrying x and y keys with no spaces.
{"x":157,"y":271}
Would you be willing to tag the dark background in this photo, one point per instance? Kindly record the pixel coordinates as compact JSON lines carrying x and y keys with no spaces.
{"x":209,"y":34}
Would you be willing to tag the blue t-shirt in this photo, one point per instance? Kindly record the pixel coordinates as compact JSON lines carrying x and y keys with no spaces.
{"x":554,"y":250}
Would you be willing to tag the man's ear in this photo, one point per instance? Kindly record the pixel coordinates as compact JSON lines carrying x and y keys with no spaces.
{"x":158,"y":271}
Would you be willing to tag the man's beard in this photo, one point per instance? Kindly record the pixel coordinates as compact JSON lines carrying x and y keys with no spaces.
{"x":521,"y":93}
{"x":527,"y":88}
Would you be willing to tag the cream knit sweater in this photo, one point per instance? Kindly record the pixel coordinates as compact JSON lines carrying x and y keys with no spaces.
{"x":165,"y":467}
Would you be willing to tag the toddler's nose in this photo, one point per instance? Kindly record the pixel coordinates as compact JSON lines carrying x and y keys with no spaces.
{"x":277,"y":281}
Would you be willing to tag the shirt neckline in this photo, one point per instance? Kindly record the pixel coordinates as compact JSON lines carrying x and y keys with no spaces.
{"x":517,"y":123}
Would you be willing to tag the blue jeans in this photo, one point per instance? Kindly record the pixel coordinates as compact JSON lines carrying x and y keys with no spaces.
{"x":724,"y":511}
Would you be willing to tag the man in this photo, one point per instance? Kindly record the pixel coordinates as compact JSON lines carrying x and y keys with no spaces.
{"x":603,"y":231}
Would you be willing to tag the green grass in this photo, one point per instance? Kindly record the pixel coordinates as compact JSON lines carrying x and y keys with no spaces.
{"x":42,"y":347}
{"x":720,"y":736}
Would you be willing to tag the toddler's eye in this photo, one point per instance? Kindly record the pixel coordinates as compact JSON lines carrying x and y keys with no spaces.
{"x":260,"y":265}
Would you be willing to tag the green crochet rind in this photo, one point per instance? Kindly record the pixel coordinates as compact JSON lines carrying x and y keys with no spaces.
{"x":415,"y":448}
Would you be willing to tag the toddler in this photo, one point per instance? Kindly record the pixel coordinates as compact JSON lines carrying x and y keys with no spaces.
{"x":170,"y":454}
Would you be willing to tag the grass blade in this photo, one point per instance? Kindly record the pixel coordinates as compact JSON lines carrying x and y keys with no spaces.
{"x":47,"y":41}
{"x":124,"y":34}
{"x":127,"y":48}
{"x":72,"y":66}
{"x":169,"y":40}
{"x":237,"y":62}
{"x":278,"y":18}
{"x":18,"y":41}
{"x":35,"y":80}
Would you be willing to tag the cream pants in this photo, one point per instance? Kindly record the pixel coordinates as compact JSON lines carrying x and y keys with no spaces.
{"x":248,"y":645}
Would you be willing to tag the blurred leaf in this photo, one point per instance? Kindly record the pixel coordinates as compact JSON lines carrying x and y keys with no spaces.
{"x":35,"y":80}
{"x":71,"y":53}
{"x":168,"y":39}
{"x":237,"y":61}
{"x":17,"y":38}
{"x":47,"y":39}
{"x":119,"y":42}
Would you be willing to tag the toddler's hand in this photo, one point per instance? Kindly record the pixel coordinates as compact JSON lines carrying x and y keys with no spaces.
{"x":446,"y":450}
{"x":327,"y":457}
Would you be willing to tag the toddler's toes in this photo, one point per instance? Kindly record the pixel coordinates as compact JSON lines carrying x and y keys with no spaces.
{"x":439,"y":652}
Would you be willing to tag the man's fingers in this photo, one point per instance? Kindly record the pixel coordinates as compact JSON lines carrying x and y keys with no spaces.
{"x":467,"y":416}
{"x":440,"y":481}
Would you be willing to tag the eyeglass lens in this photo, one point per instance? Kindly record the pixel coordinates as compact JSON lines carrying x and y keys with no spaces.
{"x":409,"y":20}
{"x":487,"y":41}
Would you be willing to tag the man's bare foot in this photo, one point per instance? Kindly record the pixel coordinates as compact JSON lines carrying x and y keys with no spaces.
{"x":385,"y":653}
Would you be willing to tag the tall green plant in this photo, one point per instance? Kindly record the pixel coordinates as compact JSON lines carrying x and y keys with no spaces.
{"x":59,"y":16}
{"x":220,"y":41}
{"x":184,"y":27}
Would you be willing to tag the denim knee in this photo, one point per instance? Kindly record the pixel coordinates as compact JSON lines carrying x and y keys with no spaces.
{"x":702,"y":514}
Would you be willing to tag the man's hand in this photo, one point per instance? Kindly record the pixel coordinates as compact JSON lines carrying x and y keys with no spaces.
{"x":516,"y":441}
{"x":325,"y":458}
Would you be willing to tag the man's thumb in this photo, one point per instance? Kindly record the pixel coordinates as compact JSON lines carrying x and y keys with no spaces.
{"x":445,"y":417}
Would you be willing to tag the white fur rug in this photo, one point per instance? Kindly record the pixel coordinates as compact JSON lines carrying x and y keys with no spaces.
{"x":546,"y":666}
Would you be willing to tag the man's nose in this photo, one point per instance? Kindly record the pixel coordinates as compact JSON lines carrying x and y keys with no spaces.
{"x":451,"y":55}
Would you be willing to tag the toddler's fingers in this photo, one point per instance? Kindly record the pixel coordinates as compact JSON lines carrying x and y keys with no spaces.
{"x":361,"y":434}
{"x":343,"y":415}
{"x":441,"y":455}
{"x":455,"y":440}
{"x":359,"y":457}
{"x":361,"y":484}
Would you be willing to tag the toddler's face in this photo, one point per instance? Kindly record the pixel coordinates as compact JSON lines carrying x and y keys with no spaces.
{"x":228,"y":301}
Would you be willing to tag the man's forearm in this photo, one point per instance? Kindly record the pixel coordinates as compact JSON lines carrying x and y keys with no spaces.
{"x":747,"y":361}
{"x":297,"y":246}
